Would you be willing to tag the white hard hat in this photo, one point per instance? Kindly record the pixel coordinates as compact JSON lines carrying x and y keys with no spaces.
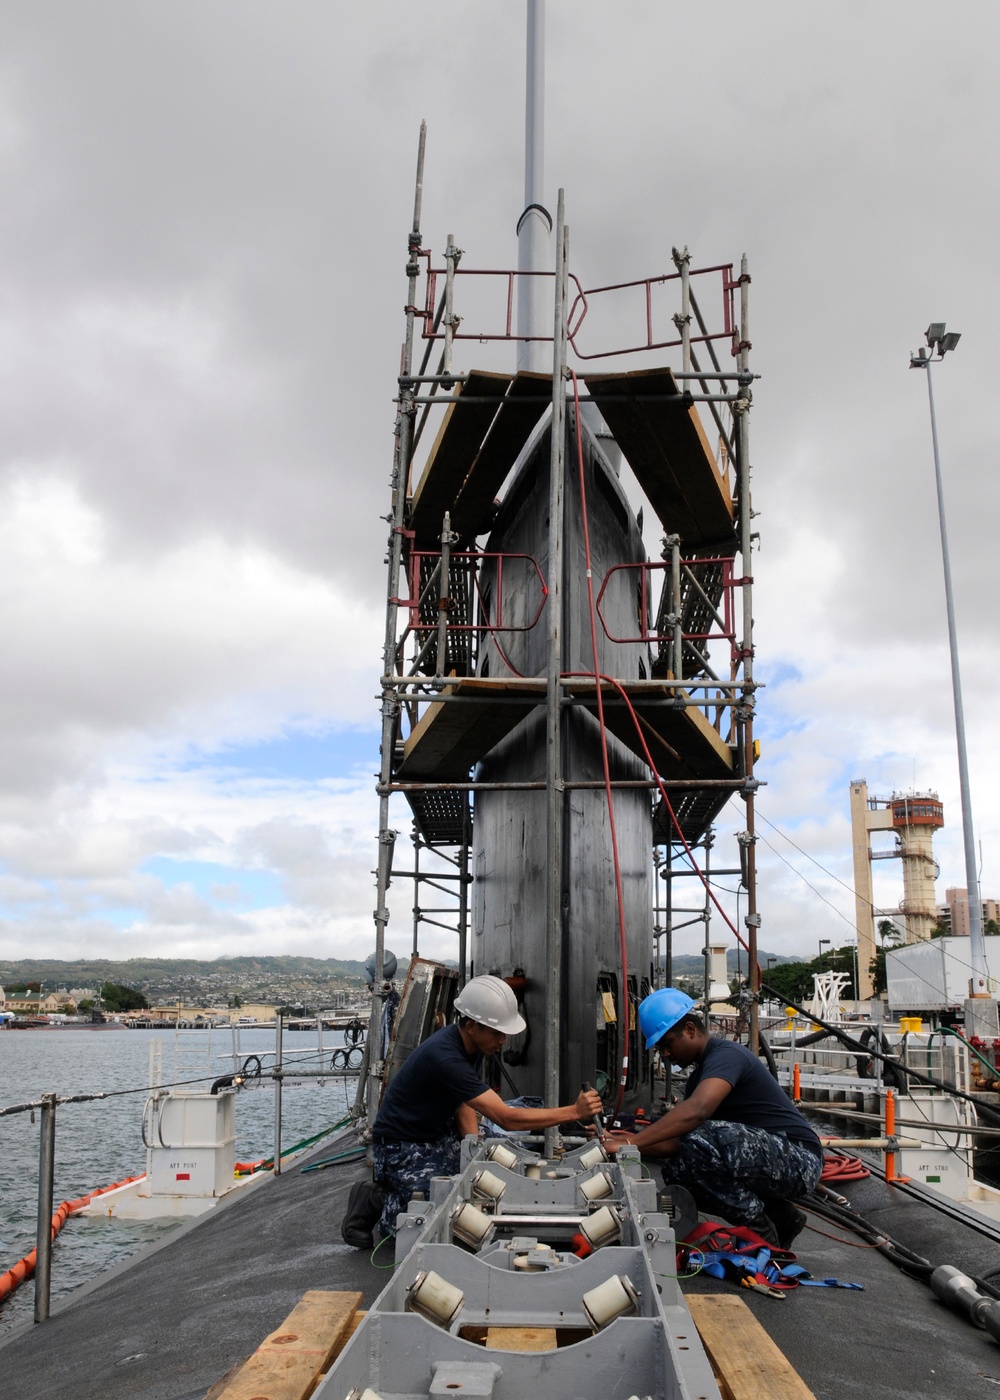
{"x":490,"y":1002}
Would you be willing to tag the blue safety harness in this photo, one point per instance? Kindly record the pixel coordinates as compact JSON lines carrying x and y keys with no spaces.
{"x":737,"y":1252}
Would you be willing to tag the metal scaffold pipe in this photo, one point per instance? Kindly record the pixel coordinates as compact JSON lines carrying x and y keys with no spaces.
{"x":746,"y":710}
{"x":554,"y":794}
{"x":43,"y":1238}
{"x":369,"y":1088}
{"x":279,"y":1028}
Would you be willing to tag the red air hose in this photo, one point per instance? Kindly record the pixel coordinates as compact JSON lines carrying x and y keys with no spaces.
{"x":625,"y":1007}
{"x":599,"y":680}
{"x":838,"y":1166}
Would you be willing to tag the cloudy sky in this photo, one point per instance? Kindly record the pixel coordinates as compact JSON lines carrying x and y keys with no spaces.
{"x":204,"y":215}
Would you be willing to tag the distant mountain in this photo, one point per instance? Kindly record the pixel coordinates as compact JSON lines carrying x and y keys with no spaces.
{"x":183,"y":976}
{"x":286,"y":978}
{"x":693,"y":964}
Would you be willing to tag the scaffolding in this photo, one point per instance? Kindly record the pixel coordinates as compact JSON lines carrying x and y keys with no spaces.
{"x":476,"y":635}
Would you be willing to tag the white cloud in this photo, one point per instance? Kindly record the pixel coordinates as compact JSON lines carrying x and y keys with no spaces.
{"x":201,"y":286}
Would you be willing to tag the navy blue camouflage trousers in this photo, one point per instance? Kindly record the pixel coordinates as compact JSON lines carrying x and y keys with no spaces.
{"x":734,"y":1170}
{"x":401,"y":1168}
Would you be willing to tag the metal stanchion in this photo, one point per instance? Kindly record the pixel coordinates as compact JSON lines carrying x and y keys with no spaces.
{"x":277,"y":1093}
{"x":43,"y":1244}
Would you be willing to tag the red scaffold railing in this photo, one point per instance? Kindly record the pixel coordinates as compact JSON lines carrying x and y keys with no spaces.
{"x":726,"y":625}
{"x":654,"y":338}
{"x":474,"y":559}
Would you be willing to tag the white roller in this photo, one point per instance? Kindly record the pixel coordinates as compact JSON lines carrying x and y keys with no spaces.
{"x":435,"y":1298}
{"x":596,"y":1187}
{"x":470,"y":1224}
{"x":610,"y":1299}
{"x":592,"y":1156}
{"x":502,"y":1155}
{"x":487,"y":1186}
{"x":603,"y":1227}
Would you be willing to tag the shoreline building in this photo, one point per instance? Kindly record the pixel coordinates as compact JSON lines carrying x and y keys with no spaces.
{"x":954,"y":913}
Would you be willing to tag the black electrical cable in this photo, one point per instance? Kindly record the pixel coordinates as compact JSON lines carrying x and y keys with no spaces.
{"x":834,"y":1208}
{"x":767,"y":1054}
{"x":510,"y":1083}
{"x":990,"y":1114}
{"x":845,"y":1216}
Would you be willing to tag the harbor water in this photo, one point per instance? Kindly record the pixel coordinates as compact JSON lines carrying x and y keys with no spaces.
{"x":100,"y":1142}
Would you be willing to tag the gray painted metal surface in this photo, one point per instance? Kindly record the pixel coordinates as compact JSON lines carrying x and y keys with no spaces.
{"x":652,"y":1349}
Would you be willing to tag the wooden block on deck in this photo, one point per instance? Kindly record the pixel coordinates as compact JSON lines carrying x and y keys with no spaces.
{"x":521,"y":1338}
{"x":666,"y":447}
{"x":526,"y":401}
{"x":455,"y":449}
{"x":746,"y":1362}
{"x":288,"y":1364}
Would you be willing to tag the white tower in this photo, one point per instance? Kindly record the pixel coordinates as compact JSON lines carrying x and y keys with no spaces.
{"x":914,"y":817}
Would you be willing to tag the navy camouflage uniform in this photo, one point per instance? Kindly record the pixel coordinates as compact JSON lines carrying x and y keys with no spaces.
{"x":404,"y":1167}
{"x":415,"y":1134}
{"x":735,"y":1169}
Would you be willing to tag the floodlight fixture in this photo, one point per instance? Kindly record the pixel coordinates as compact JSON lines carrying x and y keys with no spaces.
{"x":935,"y":331}
{"x":948,"y":342}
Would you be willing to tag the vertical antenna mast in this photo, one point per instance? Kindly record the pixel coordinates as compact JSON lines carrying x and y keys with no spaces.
{"x":534,"y":227}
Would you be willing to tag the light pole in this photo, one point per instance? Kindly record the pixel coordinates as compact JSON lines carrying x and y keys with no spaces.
{"x":823,"y":943}
{"x":939,"y":342}
{"x":771,"y":962}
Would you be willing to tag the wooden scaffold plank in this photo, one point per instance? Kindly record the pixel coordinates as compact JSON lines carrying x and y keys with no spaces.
{"x":526,"y":401}
{"x":454,"y":734}
{"x":746,"y":1362}
{"x":455,"y":448}
{"x":665,"y":445}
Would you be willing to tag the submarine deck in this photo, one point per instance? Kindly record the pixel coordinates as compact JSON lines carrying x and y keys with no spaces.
{"x":173,"y":1320}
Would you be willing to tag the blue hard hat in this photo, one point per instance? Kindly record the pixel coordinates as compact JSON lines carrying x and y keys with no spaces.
{"x":661,"y":1010}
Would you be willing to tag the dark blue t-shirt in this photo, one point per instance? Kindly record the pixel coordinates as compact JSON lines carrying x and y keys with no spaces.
{"x":756,"y":1098}
{"x":420,"y":1103}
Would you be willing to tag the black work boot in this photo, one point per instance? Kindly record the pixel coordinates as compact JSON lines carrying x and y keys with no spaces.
{"x":364,"y":1206}
{"x":788,"y":1221}
{"x":763,"y":1225}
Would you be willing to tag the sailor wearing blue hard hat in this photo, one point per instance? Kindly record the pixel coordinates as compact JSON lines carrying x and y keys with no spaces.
{"x":734,"y":1139}
{"x":661,"y":1011}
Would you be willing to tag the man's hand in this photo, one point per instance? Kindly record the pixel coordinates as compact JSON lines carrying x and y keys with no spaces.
{"x":612,"y":1141}
{"x":588,"y":1103}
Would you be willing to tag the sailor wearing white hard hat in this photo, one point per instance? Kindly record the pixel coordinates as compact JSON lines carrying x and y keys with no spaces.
{"x":434,"y":1099}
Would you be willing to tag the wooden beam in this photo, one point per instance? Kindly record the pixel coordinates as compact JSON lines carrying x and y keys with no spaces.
{"x":683,"y":743}
{"x":521,"y":1338}
{"x":289,"y":1363}
{"x":746,"y":1362}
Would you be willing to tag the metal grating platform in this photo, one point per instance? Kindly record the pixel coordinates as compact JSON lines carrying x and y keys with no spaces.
{"x":440,"y":815}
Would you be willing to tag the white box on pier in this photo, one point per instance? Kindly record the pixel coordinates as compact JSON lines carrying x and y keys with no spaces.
{"x":191,"y":1144}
